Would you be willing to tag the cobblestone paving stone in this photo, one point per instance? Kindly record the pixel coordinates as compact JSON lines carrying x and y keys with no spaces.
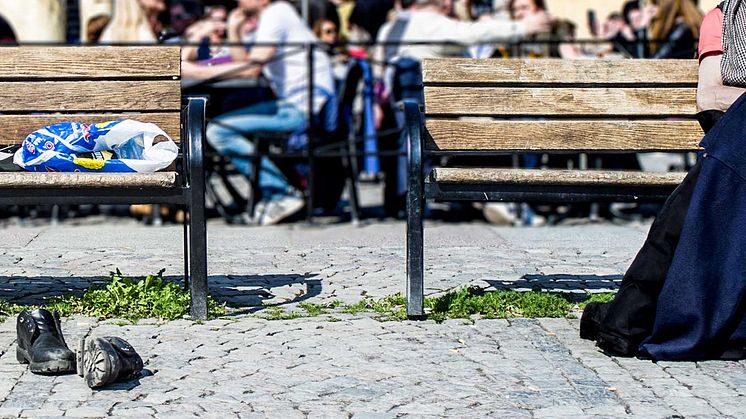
{"x":246,"y":366}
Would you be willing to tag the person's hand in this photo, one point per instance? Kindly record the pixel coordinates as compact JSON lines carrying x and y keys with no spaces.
{"x":205,"y":29}
{"x":611,"y":28}
{"x":540,"y":22}
{"x":190,"y":70}
{"x":649,"y":13}
{"x":249,"y":25}
{"x":236,"y":19}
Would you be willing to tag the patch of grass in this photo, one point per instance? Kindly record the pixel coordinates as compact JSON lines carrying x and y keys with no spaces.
{"x":466,"y":302}
{"x":313,"y":310}
{"x":133,"y":300}
{"x":392,"y":307}
{"x":279,"y":313}
{"x":9,"y":310}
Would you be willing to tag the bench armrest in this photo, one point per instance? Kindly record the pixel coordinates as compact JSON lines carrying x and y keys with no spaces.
{"x":414,"y":129}
{"x":193,"y":147}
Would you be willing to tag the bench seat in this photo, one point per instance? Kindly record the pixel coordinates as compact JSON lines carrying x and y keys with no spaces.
{"x":476,"y":176}
{"x":13,"y":180}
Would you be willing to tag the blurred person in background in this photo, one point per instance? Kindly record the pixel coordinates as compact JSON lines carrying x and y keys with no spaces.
{"x":6,"y":32}
{"x":322,"y":9}
{"x":287,"y":69}
{"x":134,"y":21}
{"x":369,"y":15}
{"x":183,"y":14}
{"x":675,"y":29}
{"x":621,"y":35}
{"x":428,"y":20}
{"x":210,"y":33}
{"x":327,"y":33}
{"x":639,"y":19}
{"x":547,"y":45}
{"x":95,"y":28}
{"x":398,"y":60}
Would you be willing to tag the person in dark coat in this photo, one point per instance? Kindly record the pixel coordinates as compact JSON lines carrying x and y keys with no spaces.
{"x":683,"y":296}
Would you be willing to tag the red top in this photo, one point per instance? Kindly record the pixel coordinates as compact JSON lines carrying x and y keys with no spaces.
{"x":711,"y":34}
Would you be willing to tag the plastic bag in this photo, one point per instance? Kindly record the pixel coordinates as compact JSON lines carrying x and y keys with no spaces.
{"x":115,"y":146}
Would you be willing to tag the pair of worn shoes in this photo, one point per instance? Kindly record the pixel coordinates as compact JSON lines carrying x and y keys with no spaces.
{"x":100,"y":360}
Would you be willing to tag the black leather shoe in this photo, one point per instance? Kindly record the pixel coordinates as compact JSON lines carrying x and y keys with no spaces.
{"x":41,"y":345}
{"x":590,"y":322}
{"x":106,"y":360}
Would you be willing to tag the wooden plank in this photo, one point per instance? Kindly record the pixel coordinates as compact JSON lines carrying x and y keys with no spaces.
{"x":90,"y":62}
{"x":87,"y":180}
{"x":16,"y":127}
{"x":499,"y":71}
{"x":549,"y":102}
{"x":563,"y":135}
{"x":91,"y":96}
{"x":555,"y":177}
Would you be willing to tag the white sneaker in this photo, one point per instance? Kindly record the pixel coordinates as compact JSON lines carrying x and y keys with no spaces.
{"x":272,"y":212}
{"x":499,"y":213}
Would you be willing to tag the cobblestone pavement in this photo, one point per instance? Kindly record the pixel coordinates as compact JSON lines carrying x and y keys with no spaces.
{"x":246,"y":366}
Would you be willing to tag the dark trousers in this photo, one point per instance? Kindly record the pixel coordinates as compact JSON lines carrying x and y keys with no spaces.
{"x":632,"y":312}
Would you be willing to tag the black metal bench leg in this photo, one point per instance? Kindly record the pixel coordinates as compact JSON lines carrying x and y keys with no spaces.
{"x":256,"y":193}
{"x":186,"y":247}
{"x":415,"y":206}
{"x":196,"y":230}
{"x":351,"y":163}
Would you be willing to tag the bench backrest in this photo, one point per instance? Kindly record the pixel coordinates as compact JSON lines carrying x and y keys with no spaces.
{"x":560,"y":105}
{"x":45,"y":85}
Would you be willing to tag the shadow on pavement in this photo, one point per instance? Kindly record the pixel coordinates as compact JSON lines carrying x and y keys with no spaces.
{"x":560,"y":283}
{"x":246,"y":293}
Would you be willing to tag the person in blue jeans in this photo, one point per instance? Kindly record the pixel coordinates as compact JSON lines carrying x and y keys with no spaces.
{"x":227,"y":134}
{"x":287,"y":70}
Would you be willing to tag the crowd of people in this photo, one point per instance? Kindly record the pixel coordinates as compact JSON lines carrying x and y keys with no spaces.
{"x":265,"y":38}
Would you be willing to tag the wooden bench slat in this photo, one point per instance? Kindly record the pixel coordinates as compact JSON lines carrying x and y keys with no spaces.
{"x":90,"y":62}
{"x":15,"y":128}
{"x":515,"y":71}
{"x":557,"y":102}
{"x":18,"y":180}
{"x":555,"y":177}
{"x":563,"y":135}
{"x":93,"y":96}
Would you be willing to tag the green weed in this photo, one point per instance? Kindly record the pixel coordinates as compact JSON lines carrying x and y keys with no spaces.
{"x":466,"y":302}
{"x":128,"y":299}
{"x":9,"y":310}
{"x":279,"y":313}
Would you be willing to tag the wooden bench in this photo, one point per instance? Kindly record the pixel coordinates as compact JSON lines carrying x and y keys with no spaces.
{"x":492,"y":107}
{"x":45,"y":85}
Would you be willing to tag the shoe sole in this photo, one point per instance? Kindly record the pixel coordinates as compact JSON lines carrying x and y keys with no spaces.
{"x":95,"y":361}
{"x":47,"y":367}
{"x":288,"y":212}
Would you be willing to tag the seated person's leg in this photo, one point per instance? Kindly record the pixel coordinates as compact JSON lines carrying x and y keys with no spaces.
{"x":227,"y":134}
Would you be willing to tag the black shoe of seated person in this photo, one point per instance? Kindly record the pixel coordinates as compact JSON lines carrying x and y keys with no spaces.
{"x":41,"y":344}
{"x":106,"y":360}
{"x":590,"y":322}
